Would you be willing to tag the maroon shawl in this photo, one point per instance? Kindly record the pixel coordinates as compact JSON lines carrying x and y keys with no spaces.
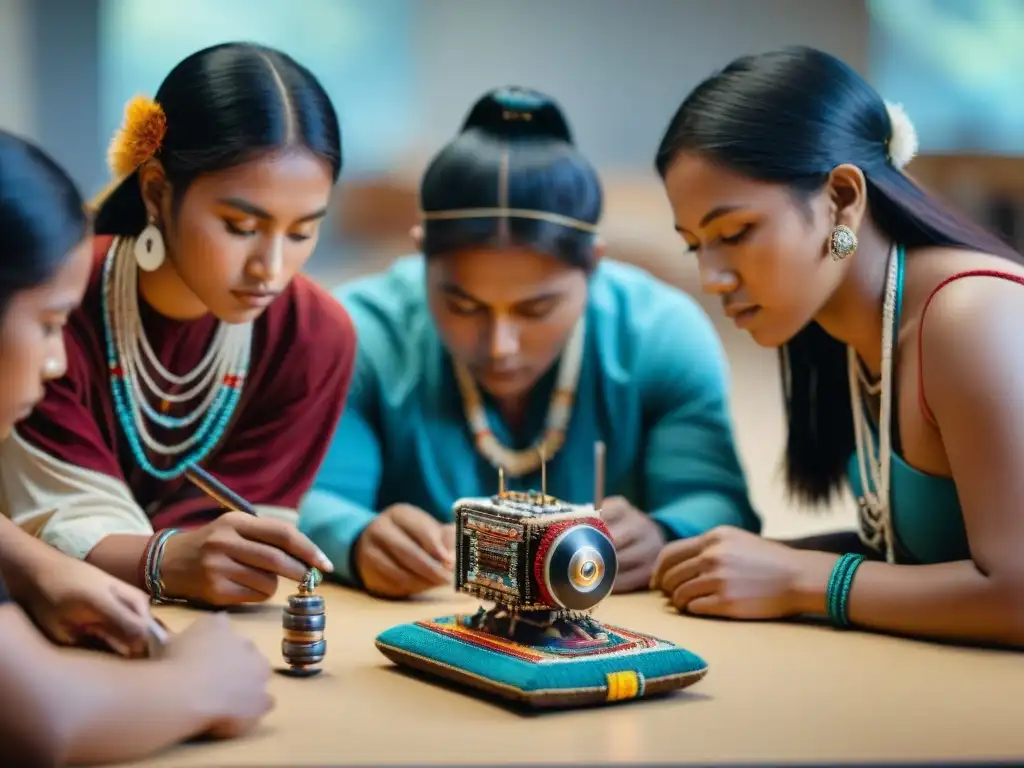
{"x":303,"y":353}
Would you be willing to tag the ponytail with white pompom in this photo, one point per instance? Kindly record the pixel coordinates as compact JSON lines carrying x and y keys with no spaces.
{"x":903,"y":143}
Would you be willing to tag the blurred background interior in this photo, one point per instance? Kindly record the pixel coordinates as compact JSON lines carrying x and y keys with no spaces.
{"x":403,"y":74}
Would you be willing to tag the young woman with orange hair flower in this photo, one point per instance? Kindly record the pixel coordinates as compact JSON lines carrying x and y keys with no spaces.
{"x":197,"y":343}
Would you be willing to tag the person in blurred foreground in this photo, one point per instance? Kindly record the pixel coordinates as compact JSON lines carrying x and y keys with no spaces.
{"x":62,"y":705}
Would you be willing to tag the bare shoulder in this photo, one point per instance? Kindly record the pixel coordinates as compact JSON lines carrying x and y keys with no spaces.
{"x":933,"y":265}
{"x":970,"y":323}
{"x":952,"y":281}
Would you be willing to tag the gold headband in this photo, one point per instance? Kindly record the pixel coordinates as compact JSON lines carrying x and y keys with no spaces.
{"x":508,"y":213}
{"x":503,"y":212}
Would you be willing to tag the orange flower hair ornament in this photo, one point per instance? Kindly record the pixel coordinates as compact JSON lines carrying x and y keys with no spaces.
{"x":139,"y":138}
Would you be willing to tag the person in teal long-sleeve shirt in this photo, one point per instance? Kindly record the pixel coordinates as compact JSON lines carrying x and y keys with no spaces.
{"x":509,"y":339}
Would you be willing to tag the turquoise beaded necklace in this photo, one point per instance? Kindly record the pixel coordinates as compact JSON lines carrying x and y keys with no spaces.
{"x":228,"y":368}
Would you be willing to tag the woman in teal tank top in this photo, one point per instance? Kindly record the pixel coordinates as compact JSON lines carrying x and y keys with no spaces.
{"x":509,"y":342}
{"x":785,"y":174}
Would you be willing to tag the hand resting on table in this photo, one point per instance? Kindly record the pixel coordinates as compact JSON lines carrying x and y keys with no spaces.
{"x":404,"y":551}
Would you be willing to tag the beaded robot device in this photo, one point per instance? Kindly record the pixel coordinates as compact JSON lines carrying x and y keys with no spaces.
{"x":545,"y":564}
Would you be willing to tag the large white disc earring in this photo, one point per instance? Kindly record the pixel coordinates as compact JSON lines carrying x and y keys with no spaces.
{"x":149,"y":248}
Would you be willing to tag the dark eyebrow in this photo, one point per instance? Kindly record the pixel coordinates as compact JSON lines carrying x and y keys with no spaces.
{"x":710,"y":216}
{"x":456,"y":291}
{"x":716,"y":213}
{"x":541,"y":298}
{"x":259,"y":213}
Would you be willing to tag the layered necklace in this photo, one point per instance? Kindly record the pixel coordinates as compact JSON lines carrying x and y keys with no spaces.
{"x":874,"y":462}
{"x":518,"y":463}
{"x":213,"y":387}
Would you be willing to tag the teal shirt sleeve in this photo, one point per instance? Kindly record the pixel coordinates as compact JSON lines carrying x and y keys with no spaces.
{"x":342,"y":501}
{"x":693,"y":477}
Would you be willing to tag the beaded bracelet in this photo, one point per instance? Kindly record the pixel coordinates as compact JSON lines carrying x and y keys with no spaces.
{"x":147,"y":553}
{"x":837,"y":594}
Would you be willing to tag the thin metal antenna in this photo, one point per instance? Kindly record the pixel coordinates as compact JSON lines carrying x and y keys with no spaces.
{"x":598,"y":475}
{"x":501,"y":481}
{"x":543,"y":475}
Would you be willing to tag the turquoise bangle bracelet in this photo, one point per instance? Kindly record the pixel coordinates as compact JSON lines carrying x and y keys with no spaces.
{"x":837,"y":593}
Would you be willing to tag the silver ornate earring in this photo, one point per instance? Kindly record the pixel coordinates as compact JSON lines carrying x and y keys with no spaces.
{"x":842,"y":242}
{"x":149,"y":247}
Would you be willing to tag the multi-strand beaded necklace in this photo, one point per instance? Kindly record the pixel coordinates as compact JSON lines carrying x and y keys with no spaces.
{"x":875,"y":462}
{"x":519,"y":463}
{"x":216,"y":381}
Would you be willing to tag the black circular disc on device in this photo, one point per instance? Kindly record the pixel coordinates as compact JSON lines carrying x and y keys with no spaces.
{"x":580,"y":568}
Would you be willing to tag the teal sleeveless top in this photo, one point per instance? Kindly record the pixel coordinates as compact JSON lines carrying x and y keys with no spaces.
{"x":927,"y":520}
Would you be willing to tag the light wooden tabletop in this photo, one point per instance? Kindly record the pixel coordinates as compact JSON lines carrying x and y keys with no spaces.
{"x":774,"y":693}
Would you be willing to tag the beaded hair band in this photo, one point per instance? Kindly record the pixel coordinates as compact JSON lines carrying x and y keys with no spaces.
{"x":139,"y":138}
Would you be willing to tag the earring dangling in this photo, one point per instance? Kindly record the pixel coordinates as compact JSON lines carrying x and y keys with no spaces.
{"x":149,"y":247}
{"x":842,"y":242}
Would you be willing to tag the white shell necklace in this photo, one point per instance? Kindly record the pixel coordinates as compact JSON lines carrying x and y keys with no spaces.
{"x":224,"y":365}
{"x":876,"y":529}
